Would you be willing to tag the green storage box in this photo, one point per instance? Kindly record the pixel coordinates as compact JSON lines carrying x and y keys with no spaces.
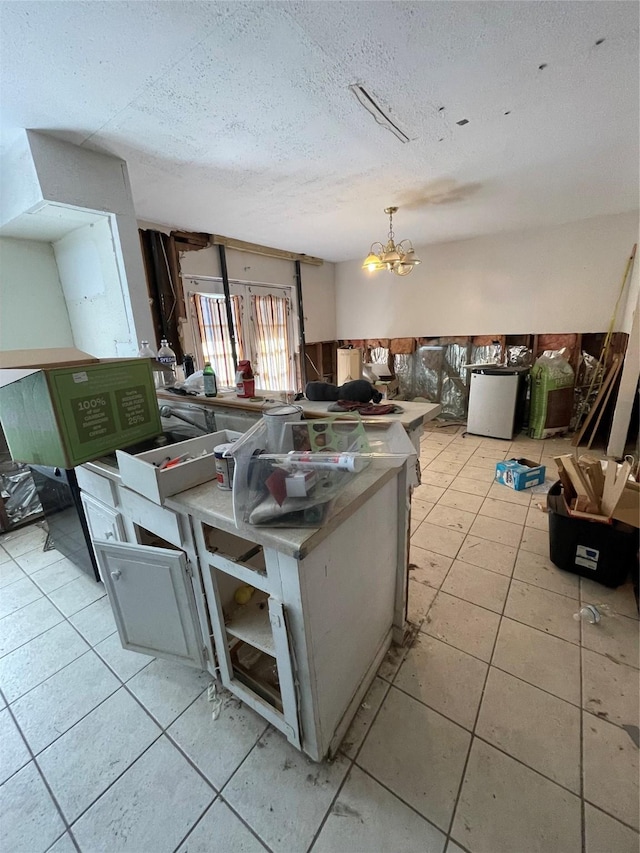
{"x":68,"y":410}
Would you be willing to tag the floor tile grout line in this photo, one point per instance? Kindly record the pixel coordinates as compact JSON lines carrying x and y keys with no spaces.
{"x":22,"y":607}
{"x":51,"y":674}
{"x":87,"y":808}
{"x":267,"y":729}
{"x":353,"y":760}
{"x":26,"y":643}
{"x":351,"y":763}
{"x":526,"y":624}
{"x":138,"y":701}
{"x":194,"y":825}
{"x":220,"y":796}
{"x":79,"y":720}
{"x":44,"y":779}
{"x":613,"y":817}
{"x":162,"y":732}
{"x":403,"y":801}
{"x":390,"y":685}
{"x":477,"y":716}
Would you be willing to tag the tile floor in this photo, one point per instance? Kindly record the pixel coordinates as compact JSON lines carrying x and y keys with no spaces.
{"x":507,"y":727}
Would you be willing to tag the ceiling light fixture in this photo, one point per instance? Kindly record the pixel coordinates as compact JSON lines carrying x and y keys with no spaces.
{"x":399,"y":258}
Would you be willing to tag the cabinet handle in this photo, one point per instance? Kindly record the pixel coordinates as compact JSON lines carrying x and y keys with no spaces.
{"x":109,"y":534}
{"x":116,"y":575}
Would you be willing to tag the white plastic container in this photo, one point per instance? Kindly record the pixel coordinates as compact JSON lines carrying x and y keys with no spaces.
{"x":275,"y":419}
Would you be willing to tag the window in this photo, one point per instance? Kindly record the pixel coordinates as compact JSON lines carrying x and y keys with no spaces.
{"x":211,"y":313}
{"x":264,"y":325}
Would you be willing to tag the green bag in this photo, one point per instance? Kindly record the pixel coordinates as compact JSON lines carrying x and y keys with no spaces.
{"x":552,"y":382}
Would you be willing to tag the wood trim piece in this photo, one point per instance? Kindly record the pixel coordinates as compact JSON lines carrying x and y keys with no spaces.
{"x":577,"y":438}
{"x":257,"y":249}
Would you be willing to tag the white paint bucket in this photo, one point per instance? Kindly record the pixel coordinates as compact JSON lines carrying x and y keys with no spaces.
{"x":274,"y":420}
{"x":224,"y":466}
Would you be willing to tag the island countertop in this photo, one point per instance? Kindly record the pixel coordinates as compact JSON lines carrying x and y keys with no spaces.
{"x":412,"y":416}
{"x":211,"y":505}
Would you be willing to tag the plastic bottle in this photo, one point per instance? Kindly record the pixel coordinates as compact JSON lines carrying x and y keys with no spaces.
{"x":245,"y":382}
{"x":145,"y":350}
{"x":166,"y":356}
{"x":209,"y":379}
{"x":592,"y":613}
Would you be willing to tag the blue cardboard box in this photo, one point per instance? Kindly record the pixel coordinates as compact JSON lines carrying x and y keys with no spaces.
{"x":519,"y":474}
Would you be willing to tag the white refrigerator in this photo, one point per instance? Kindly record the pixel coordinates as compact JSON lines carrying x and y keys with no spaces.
{"x":494,"y":395}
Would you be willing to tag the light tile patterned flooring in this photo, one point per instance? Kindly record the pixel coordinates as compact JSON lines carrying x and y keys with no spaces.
{"x":507,"y":727}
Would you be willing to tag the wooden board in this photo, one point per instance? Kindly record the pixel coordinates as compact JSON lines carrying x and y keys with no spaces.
{"x":603,"y":406}
{"x":608,"y":379}
{"x":613,"y":489}
{"x":567,"y":486}
{"x":578,"y":479}
{"x":596,"y":477}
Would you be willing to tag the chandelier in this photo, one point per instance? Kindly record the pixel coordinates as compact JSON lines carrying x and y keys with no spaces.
{"x":398,"y":258}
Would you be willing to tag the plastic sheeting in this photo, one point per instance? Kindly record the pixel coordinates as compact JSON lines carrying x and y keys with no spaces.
{"x":435,"y":373}
{"x":18,"y":492}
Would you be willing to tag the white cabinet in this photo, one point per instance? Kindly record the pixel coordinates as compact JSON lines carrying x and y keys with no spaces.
{"x":152,"y":600}
{"x":302,"y":646}
{"x":104,"y":522}
{"x":252,"y":644}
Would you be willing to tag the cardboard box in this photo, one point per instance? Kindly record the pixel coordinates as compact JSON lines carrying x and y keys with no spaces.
{"x":519,"y":474}
{"x":599,"y":490}
{"x":138,"y":472}
{"x":349,"y":364}
{"x":628,"y":507}
{"x":63,"y":407}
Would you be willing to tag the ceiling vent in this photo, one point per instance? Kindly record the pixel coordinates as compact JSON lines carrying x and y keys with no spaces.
{"x":379,"y":115}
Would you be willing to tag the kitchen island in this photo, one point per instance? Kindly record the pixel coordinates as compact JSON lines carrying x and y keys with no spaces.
{"x":322,"y":604}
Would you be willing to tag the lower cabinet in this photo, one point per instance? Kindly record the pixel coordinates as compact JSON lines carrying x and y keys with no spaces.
{"x":152,"y":600}
{"x":105,"y":523}
{"x":297,"y":636}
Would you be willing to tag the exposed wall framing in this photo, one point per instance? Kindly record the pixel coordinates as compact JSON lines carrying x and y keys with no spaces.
{"x":433,"y":368}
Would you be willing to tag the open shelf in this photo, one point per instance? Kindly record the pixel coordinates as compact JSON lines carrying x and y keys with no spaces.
{"x":234,"y":548}
{"x":250,"y":623}
{"x":256,"y":670}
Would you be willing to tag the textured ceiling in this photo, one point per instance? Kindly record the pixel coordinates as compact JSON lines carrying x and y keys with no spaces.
{"x":237,"y":118}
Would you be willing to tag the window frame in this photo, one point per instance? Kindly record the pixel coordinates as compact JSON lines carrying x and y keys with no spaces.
{"x":213,"y":286}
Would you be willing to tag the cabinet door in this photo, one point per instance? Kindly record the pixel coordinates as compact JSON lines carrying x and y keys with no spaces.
{"x":104,"y":523}
{"x":152,"y":601}
{"x":262,"y":629}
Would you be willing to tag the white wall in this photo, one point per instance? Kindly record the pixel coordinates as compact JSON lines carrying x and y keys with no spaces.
{"x":43,"y":169}
{"x":33,"y":312}
{"x":560,"y":279}
{"x":96,"y":291}
{"x":318,"y":283}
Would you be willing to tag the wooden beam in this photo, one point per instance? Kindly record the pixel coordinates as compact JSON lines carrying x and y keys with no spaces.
{"x":257,"y":249}
{"x":192,"y":239}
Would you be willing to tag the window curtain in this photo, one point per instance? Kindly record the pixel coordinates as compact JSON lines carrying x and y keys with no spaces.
{"x":271,"y":343}
{"x":211,"y":312}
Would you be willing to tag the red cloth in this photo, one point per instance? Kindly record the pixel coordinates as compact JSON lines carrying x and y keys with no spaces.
{"x":366,"y":408}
